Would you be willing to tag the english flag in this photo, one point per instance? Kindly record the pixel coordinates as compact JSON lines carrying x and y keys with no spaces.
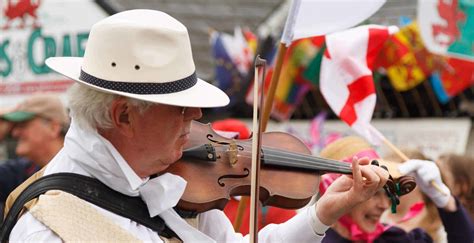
{"x":346,"y":77}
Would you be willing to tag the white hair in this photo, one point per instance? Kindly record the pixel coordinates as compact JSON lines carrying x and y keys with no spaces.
{"x":90,"y":107}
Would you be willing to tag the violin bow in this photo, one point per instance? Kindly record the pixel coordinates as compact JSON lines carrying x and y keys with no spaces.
{"x":265,"y":115}
{"x":260,"y":65}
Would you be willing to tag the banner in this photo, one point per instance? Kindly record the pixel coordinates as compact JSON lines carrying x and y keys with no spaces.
{"x":33,"y":30}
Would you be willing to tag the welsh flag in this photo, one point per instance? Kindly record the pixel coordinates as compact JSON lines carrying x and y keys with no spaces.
{"x":346,"y":77}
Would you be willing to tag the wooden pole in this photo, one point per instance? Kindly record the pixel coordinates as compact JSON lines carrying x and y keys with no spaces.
{"x":244,"y":200}
{"x":273,"y":85}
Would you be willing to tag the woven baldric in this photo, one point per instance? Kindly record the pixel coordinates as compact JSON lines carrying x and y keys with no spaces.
{"x":74,"y":220}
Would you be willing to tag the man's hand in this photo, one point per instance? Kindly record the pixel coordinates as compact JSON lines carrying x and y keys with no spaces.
{"x":348,"y":191}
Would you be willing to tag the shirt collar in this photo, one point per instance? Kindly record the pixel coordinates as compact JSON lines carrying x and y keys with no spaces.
{"x":133,"y":179}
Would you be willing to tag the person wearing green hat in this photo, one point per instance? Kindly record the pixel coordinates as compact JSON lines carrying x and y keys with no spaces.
{"x":39,"y":124}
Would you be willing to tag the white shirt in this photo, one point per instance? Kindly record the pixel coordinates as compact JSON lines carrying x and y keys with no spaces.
{"x":84,"y":148}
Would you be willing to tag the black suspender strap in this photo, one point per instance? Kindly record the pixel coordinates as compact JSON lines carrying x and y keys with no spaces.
{"x":93,"y":191}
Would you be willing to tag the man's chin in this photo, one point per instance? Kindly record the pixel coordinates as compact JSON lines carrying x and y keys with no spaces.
{"x":162,"y":169}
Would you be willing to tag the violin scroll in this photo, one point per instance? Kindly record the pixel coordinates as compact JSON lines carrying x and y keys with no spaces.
{"x":395,"y":188}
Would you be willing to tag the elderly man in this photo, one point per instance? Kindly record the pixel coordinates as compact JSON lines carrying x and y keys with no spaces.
{"x":39,"y":124}
{"x":132,"y":110}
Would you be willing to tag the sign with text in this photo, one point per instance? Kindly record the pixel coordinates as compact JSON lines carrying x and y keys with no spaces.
{"x":33,"y":30}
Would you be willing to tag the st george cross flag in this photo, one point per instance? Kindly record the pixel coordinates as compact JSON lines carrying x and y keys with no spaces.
{"x":346,"y":77}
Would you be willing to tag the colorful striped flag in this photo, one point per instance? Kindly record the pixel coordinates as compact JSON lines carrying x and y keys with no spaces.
{"x":312,"y":72}
{"x":292,"y":86}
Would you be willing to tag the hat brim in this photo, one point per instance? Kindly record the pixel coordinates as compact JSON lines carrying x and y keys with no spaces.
{"x":202,"y":94}
{"x":18,"y":116}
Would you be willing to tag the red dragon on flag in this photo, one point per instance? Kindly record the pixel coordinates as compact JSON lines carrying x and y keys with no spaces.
{"x":20,"y":10}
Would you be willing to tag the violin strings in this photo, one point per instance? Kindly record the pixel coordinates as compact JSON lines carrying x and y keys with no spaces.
{"x":302,"y":158}
{"x":304,"y":161}
{"x":309,"y":158}
{"x":319,"y":166}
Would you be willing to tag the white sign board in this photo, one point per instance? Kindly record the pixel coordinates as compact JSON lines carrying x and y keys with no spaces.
{"x":33,"y":30}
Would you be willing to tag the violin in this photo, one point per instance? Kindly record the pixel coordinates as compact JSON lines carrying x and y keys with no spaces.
{"x":217,"y":168}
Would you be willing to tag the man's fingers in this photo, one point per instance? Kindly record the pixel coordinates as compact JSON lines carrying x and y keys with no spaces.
{"x":382,"y":174}
{"x":356,"y":172}
{"x":364,"y":161}
{"x":371,"y":177}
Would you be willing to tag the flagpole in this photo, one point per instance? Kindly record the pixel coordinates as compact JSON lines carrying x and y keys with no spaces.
{"x":273,"y":84}
{"x":402,"y":155}
{"x":286,"y":39}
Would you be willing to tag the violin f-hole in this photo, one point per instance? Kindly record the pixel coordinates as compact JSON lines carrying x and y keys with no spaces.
{"x":221,"y":178}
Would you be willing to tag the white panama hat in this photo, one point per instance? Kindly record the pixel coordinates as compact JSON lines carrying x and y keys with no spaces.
{"x":142,"y":54}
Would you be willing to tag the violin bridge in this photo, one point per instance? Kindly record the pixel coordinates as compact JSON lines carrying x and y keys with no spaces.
{"x":232,"y":153}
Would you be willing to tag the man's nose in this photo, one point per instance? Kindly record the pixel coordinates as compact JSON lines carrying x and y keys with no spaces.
{"x":192,"y":113}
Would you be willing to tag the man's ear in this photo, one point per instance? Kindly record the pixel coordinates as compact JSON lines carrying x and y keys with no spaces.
{"x":120,"y":115}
